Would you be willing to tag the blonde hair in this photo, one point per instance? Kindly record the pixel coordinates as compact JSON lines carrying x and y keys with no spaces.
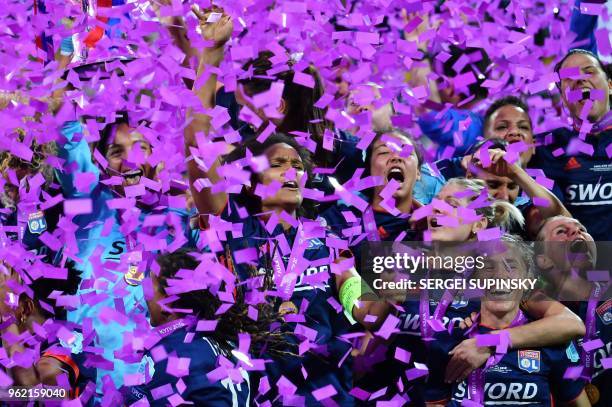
{"x":498,"y":213}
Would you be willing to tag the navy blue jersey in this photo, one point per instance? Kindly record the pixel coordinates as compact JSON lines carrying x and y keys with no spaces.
{"x":81,"y":375}
{"x":388,"y":226}
{"x":388,"y":370}
{"x":409,"y":336}
{"x":522,"y":377}
{"x":313,"y":288}
{"x":583,"y":176}
{"x":204,"y":355}
{"x":33,"y":224}
{"x":451,"y":167}
{"x":603,"y":330}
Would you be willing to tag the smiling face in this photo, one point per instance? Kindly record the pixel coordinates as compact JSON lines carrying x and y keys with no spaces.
{"x":568,"y":244}
{"x":127,"y":155}
{"x":287,"y":169}
{"x":387,"y":163}
{"x":596,"y":79}
{"x":453,"y":195}
{"x":506,"y":265}
{"x":511,"y":123}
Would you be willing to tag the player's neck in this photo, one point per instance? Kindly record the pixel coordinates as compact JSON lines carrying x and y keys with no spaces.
{"x":574,"y":288}
{"x":34,"y":318}
{"x":497,"y":319}
{"x":404,"y":206}
{"x":282,"y":213}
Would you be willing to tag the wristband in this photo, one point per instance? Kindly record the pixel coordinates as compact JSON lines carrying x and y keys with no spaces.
{"x":67,"y":46}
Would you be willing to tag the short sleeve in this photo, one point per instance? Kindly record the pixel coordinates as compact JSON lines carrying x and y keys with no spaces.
{"x":436,"y":389}
{"x":562,"y":359}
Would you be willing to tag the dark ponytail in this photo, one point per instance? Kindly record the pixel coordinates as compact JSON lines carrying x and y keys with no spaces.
{"x":179,"y":267}
{"x":301,"y":113}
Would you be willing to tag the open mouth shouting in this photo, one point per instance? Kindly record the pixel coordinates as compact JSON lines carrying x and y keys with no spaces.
{"x":132,"y":177}
{"x":396,"y":173}
{"x":579,"y":246}
{"x":581,"y":250}
{"x":586,"y":92}
{"x":433,"y":223}
{"x":290,"y":185}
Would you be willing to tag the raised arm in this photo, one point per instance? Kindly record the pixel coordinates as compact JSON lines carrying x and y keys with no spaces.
{"x":420,"y":72}
{"x":555,"y":324}
{"x":176,"y":27}
{"x":218,"y":33}
{"x":553,"y":207}
{"x":80,"y":175}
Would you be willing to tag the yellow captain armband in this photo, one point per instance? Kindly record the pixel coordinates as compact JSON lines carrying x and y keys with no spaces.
{"x":350,"y":292}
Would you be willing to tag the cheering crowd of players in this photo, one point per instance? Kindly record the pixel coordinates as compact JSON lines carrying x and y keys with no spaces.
{"x":245,"y":288}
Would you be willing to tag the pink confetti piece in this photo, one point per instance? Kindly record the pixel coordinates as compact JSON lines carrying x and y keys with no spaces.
{"x":303,"y":79}
{"x":51,"y":241}
{"x":402,"y":355}
{"x":324,"y":392}
{"x":178,"y":367}
{"x":5,"y":380}
{"x":593,"y":344}
{"x":593,"y":9}
{"x":285,"y":387}
{"x":162,"y":391}
{"x":542,"y":202}
{"x":370,"y":318}
{"x":388,"y":327}
{"x":419,"y":370}
{"x":77,"y":206}
{"x":606,"y":363}
{"x":359,"y":393}
{"x":489,"y":234}
{"x":573,"y":372}
{"x":324,"y":101}
{"x":367,"y":38}
{"x":602,"y":37}
{"x":487,"y":340}
{"x":335,"y":304}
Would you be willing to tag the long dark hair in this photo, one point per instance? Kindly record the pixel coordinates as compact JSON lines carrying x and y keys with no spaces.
{"x":251,"y":201}
{"x":301,"y":115}
{"x":204,"y":303}
{"x":40,"y":289}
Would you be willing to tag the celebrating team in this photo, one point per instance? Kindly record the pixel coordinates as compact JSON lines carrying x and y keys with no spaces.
{"x":257,"y":295}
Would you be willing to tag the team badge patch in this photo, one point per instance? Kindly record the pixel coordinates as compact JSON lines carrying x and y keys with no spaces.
{"x":572,"y":353}
{"x":37,"y":223}
{"x":314,"y":243}
{"x":460,"y":303}
{"x":605,"y":312}
{"x":133,"y":277}
{"x":529,"y":360}
{"x":287,"y":307}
